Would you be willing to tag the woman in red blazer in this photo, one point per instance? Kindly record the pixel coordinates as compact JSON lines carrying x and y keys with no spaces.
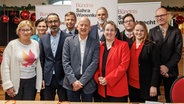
{"x":114,"y":59}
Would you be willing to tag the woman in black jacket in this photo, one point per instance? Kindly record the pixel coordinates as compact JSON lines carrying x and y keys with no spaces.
{"x":143,"y":71}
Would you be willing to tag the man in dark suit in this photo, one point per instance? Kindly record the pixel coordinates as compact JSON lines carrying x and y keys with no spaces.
{"x":80,"y":61}
{"x":129,"y":24}
{"x":170,"y":43}
{"x":97,"y":31}
{"x":51,"y":46}
{"x":70,"y":21}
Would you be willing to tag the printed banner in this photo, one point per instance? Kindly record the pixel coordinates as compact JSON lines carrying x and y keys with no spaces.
{"x":88,"y":8}
{"x":143,"y":11}
{"x":61,"y":10}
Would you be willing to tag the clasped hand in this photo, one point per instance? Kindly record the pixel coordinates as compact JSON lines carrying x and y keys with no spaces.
{"x":77,"y":85}
{"x":102,"y":81}
{"x":11,"y":92}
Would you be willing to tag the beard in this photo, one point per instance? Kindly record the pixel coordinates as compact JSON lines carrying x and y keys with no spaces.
{"x":54,"y":29}
{"x":101,"y":21}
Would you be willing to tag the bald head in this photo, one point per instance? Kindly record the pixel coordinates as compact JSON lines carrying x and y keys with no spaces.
{"x":162,"y":16}
{"x":83,"y":26}
{"x":163,"y":10}
{"x":84,"y":19}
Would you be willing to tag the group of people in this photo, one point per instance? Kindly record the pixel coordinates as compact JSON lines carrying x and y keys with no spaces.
{"x":97,"y":63}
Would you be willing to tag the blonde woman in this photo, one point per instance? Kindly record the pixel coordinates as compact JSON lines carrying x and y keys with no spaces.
{"x":143,"y":72}
{"x":20,"y":69}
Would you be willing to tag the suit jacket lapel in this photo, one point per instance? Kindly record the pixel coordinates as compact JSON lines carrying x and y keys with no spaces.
{"x":49,"y":44}
{"x":112,"y":51}
{"x":168,"y":32}
{"x":77,"y":46}
{"x":61,"y":40}
{"x":88,"y":44}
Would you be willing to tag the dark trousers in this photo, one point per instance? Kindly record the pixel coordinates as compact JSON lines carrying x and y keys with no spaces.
{"x":51,"y":90}
{"x":42,"y":94}
{"x":134,"y":95}
{"x":79,"y":96}
{"x":96,"y":96}
{"x":27,"y":90}
{"x":167,"y":86}
{"x":114,"y":99}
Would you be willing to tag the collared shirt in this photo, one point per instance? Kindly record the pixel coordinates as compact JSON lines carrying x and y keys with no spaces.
{"x":54,"y":40}
{"x":100,"y":33}
{"x":82,"y":50}
{"x":126,"y":33}
{"x":73,"y":31}
{"x":35,"y":37}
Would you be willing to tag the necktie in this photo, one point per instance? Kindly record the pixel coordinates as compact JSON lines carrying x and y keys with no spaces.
{"x":70,"y":32}
{"x":129,"y":35}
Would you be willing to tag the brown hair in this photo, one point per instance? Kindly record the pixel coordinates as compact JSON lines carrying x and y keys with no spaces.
{"x":145,"y":28}
{"x":39,"y":20}
{"x":128,"y":15}
{"x":71,"y":13}
{"x":112,"y":23}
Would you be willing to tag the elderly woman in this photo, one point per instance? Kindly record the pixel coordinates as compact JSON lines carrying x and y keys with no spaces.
{"x":111,"y":75}
{"x":20,"y":69}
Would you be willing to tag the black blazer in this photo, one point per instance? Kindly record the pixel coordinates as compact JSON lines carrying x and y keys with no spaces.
{"x":48,"y":61}
{"x":149,"y":68}
{"x":170,"y":47}
{"x":94,"y":33}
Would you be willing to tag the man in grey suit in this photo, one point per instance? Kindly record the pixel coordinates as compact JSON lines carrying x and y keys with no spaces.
{"x":51,"y":46}
{"x":80,"y":61}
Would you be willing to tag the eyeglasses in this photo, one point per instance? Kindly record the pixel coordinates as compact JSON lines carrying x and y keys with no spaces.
{"x":25,"y":30}
{"x":53,"y":21}
{"x":128,"y":21}
{"x":161,"y":16}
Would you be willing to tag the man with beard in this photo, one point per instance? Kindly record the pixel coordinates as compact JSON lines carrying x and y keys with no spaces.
{"x":70,"y":21}
{"x":51,"y":46}
{"x":97,"y":31}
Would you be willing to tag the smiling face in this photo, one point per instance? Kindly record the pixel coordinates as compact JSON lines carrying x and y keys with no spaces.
{"x":129,"y":23}
{"x":41,"y":27}
{"x":70,"y":22}
{"x":161,"y":16}
{"x":25,"y":32}
{"x":83,"y":26}
{"x":140,"y":32}
{"x":102,"y":15}
{"x":53,"y":23}
{"x":110,"y":31}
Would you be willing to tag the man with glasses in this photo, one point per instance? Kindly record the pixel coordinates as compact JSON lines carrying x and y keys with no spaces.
{"x":129,"y":24}
{"x":170,"y":43}
{"x":51,"y":46}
